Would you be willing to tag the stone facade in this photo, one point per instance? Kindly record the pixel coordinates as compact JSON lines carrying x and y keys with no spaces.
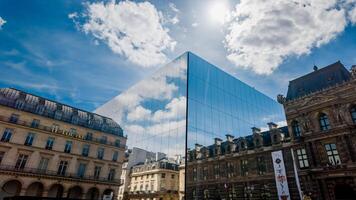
{"x":318,"y":121}
{"x":154,"y":180}
{"x":48,"y":157}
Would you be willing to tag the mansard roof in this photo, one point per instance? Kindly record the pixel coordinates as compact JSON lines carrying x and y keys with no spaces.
{"x":317,"y":80}
{"x":266,"y":135}
{"x":24,"y":101}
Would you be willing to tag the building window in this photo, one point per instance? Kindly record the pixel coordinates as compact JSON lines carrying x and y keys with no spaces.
{"x":85,"y":151}
{"x":14,"y":118}
{"x":230,"y":169}
{"x":217,"y":171}
{"x":21,"y":161}
{"x":35,"y":123}
{"x":296,"y":129}
{"x":111,"y":174}
{"x":97,"y":170}
{"x":261,"y":166}
{"x":2,"y":154}
{"x":55,"y":128}
{"x":333,"y":154}
{"x":42,"y":166}
{"x":302,"y":158}
{"x":73,"y":131}
{"x":68,"y":147}
{"x":100,"y":153}
{"x":58,"y":114}
{"x":115,"y":156}
{"x":244,"y":167}
{"x":89,"y":136}
{"x":163,"y":175}
{"x":49,"y":143}
{"x":81,"y":170}
{"x":29,"y":139}
{"x":103,"y":139}
{"x":6,"y":136}
{"x":62,"y":168}
{"x":353,"y":114}
{"x":205,"y":173}
{"x":324,"y":122}
{"x":206,"y":194}
{"x":117,"y":143}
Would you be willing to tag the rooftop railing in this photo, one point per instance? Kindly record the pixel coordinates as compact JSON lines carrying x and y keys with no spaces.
{"x":57,"y":131}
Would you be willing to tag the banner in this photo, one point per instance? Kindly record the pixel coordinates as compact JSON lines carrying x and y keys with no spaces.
{"x":280,"y":175}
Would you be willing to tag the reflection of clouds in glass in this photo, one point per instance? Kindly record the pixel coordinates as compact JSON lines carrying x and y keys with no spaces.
{"x":152,"y":112}
{"x":173,"y":110}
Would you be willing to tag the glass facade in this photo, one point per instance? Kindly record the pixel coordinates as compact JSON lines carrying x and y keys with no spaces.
{"x":190,"y":103}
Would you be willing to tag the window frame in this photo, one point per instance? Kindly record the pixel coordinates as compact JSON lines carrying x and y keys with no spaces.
{"x":302,"y":157}
{"x":7,"y":135}
{"x":68,"y":146}
{"x":296,"y":130}
{"x":324,"y":122}
{"x":332,"y":154}
{"x":353,"y":114}
{"x":29,"y":139}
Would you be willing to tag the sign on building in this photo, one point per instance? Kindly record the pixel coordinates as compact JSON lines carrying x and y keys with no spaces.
{"x":280,"y":175}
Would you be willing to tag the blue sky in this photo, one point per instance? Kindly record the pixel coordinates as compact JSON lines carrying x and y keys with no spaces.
{"x":54,"y":48}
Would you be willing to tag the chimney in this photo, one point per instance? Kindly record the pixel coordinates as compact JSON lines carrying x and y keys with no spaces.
{"x":217,"y":141}
{"x":229,"y":137}
{"x":197,"y":147}
{"x":272,"y":125}
{"x":255,"y":130}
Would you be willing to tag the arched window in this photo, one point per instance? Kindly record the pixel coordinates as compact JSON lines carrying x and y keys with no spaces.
{"x":353,"y":114}
{"x":296,"y":129}
{"x":206,"y":194}
{"x":324,"y":122}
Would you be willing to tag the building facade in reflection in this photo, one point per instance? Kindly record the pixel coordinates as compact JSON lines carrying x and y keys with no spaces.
{"x":186,"y":103}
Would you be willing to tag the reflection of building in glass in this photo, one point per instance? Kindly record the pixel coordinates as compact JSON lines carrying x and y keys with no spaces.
{"x":53,"y":150}
{"x":189,"y":101}
{"x":134,"y":157}
{"x":236,"y":168}
{"x":318,"y":146}
{"x":154,"y":180}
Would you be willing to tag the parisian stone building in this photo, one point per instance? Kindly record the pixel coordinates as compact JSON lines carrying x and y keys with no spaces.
{"x":48,"y":149}
{"x":318,"y":146}
{"x":154,"y":180}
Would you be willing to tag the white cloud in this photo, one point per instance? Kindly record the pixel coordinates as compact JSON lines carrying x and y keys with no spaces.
{"x":263,"y":33}
{"x":73,"y":15}
{"x":195,"y":24}
{"x":174,"y":110}
{"x":2,"y":22}
{"x":138,"y":114}
{"x":173,"y":7}
{"x":156,"y":87}
{"x":133,"y":30}
{"x":352,"y":14}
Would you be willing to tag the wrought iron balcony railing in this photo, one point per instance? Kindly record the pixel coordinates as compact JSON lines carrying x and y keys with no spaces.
{"x":43,"y":172}
{"x":57,"y":131}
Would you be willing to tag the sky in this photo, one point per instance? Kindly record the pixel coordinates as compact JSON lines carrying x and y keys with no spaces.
{"x":84,"y":53}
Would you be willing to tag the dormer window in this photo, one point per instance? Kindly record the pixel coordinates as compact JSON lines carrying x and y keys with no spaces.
{"x":353,"y":114}
{"x":243,"y":146}
{"x":324,"y":122}
{"x":296,"y":129}
{"x":275,"y":139}
{"x":257,"y":142}
{"x":58,"y":114}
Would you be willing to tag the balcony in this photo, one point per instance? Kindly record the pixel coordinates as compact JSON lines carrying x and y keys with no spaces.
{"x":40,"y":172}
{"x":56,"y":131}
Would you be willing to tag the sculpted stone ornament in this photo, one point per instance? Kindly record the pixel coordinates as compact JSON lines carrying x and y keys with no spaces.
{"x":281,"y":99}
{"x":305,"y":123}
